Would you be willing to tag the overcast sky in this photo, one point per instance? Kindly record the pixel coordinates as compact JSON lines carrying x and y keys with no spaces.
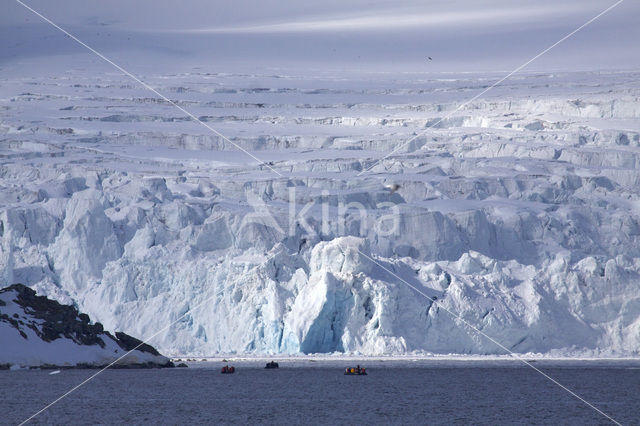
{"x":459,"y":35}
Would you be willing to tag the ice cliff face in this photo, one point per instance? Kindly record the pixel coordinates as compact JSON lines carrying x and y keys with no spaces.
{"x":519,"y":213}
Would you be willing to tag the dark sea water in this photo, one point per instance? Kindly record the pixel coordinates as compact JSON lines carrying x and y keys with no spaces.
{"x":319,"y":393}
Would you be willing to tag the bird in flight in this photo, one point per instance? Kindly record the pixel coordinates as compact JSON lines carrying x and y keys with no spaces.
{"x":430,"y":58}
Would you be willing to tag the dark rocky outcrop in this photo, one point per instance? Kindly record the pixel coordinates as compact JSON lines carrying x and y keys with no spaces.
{"x":51,"y":320}
{"x":57,"y":320}
{"x":128,"y":343}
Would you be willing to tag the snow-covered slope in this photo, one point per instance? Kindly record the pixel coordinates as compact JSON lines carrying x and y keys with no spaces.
{"x":519,"y":212}
{"x":36,"y":331}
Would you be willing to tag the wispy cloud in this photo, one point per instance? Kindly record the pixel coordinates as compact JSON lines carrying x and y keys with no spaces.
{"x":391,"y":20}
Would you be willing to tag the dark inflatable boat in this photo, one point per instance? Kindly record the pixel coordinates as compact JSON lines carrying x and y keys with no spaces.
{"x":355,"y":371}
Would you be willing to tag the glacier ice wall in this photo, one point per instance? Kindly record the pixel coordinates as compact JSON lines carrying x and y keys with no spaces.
{"x":518,"y":215}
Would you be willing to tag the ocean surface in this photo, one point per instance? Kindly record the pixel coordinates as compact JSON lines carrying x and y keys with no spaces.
{"x":319,"y":393}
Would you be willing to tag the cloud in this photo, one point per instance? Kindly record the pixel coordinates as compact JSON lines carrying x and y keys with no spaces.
{"x":395,"y":21}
